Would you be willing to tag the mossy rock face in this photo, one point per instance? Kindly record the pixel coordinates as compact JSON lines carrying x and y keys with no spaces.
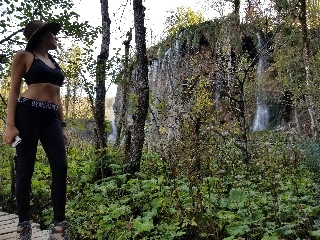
{"x":189,"y":68}
{"x":188,"y":39}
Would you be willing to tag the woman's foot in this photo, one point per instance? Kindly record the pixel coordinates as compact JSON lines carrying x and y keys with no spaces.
{"x":24,"y":231}
{"x":59,"y":231}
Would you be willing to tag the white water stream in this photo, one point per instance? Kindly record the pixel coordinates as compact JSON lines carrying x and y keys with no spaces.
{"x":262,"y":114}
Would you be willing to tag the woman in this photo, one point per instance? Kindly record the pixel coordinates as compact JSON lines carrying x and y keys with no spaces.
{"x":37,"y":115}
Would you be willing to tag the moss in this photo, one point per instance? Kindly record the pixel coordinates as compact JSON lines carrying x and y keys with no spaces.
{"x":191,"y":37}
{"x":160,"y":53}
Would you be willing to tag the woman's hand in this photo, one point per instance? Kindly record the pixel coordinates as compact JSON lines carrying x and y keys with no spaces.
{"x":9,"y":134}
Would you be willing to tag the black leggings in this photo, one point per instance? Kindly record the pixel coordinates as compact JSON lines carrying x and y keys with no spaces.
{"x":40,"y":121}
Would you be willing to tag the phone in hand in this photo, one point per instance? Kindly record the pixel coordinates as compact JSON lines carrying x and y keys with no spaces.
{"x":16,"y":141}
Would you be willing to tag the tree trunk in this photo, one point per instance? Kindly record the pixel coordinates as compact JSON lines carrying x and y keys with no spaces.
{"x":196,"y":169}
{"x":67,"y":101}
{"x":122,"y":124}
{"x":141,"y":90}
{"x":306,"y":59}
{"x":99,"y":114}
{"x":236,"y":10}
{"x":243,"y":138}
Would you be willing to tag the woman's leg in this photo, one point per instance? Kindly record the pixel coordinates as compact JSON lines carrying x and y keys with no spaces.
{"x":26,"y":154}
{"x":53,"y":144}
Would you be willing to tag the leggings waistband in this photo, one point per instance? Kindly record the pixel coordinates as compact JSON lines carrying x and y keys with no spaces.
{"x":38,"y":104}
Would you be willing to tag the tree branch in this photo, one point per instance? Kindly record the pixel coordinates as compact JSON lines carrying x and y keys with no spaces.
{"x":10,"y":36}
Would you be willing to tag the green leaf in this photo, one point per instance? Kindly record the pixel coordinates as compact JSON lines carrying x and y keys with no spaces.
{"x":184,"y":188}
{"x":237,"y":196}
{"x":85,"y":178}
{"x":138,"y":195}
{"x":315,"y":234}
{"x":237,"y":230}
{"x":229,"y":238}
{"x":228,"y":216}
{"x":142,"y":225}
{"x":267,"y":237}
{"x":123,"y":210}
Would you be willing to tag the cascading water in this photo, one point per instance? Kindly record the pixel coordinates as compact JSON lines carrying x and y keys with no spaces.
{"x":111,"y":118}
{"x":112,"y":135}
{"x":262,"y":115}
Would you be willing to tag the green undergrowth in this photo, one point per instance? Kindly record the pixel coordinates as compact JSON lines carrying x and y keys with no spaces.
{"x":157,"y":208}
{"x":274,"y":197}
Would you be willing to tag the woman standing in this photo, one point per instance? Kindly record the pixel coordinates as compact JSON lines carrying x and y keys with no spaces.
{"x":35,"y":115}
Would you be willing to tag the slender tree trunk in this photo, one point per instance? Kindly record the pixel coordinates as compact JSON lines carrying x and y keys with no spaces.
{"x":101,"y":76}
{"x":67,"y":101}
{"x":239,"y":86}
{"x":122,"y":124}
{"x":99,"y":114}
{"x":236,"y":11}
{"x":243,"y":126}
{"x":306,"y":59}
{"x":195,"y":155}
{"x":141,"y":89}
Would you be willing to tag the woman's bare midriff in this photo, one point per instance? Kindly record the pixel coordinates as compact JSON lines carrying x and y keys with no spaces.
{"x":45,"y":92}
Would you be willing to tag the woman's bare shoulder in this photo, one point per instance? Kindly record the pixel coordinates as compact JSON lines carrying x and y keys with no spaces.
{"x":23,"y":54}
{"x":22,"y":58}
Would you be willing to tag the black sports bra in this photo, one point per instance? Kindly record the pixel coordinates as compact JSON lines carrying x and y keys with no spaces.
{"x":40,"y":72}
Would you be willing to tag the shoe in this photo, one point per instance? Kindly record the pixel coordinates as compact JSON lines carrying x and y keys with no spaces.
{"x":59,"y":231}
{"x":24,"y":231}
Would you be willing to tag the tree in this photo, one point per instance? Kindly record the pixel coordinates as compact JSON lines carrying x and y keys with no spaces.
{"x":141,"y":87}
{"x":306,"y":58}
{"x":297,"y":60}
{"x":99,"y":111}
{"x":15,"y":14}
{"x":184,"y":17}
{"x":71,"y":65}
{"x":125,"y":84}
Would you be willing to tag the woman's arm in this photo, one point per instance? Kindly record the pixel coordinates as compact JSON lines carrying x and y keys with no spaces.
{"x":18,"y":70}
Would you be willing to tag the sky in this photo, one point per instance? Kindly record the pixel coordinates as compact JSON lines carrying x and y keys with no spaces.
{"x":121,"y":15}
{"x":119,"y":10}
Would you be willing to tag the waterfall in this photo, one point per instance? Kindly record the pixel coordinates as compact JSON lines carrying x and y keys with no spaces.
{"x":261,"y":118}
{"x":112,"y":135}
{"x":111,"y":118}
{"x":262,"y":114}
